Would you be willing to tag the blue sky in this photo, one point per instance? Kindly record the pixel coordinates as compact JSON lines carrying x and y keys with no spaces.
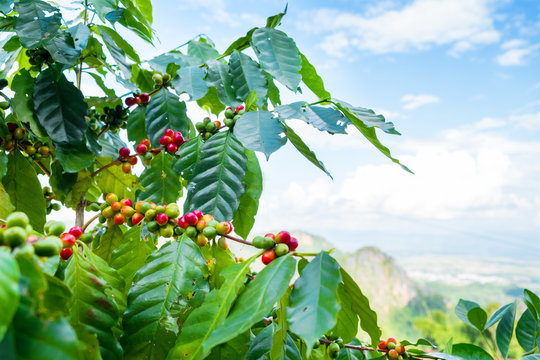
{"x":461,"y":81}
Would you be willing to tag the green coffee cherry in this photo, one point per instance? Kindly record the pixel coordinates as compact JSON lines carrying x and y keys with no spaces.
{"x":17,"y":219}
{"x":48,"y":247}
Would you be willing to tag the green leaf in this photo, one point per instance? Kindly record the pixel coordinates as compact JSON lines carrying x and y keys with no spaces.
{"x":134,"y":20}
{"x":370,"y":119}
{"x":261,"y":344}
{"x":352,"y":354}
{"x":216,"y":183}
{"x":211,"y":103}
{"x":273,"y":91}
{"x":531,"y":357}
{"x":24,"y":189}
{"x":314,"y":307}
{"x":56,"y":297}
{"x":80,"y":34}
{"x":99,"y":81}
{"x":312,"y":80}
{"x":471,"y":314}
{"x":91,"y":305}
{"x":240,"y":44}
{"x":533,"y":303}
{"x":22,"y":102}
{"x":60,"y":108}
{"x":103,"y":7}
{"x":526,"y":329}
{"x":110,"y":241}
{"x":172,"y":61}
{"x":135,"y":126}
{"x":211,"y":314}
{"x":279,"y":344}
{"x":162,"y":185}
{"x":142,"y":78}
{"x":347,"y":320}
{"x":191,"y":81}
{"x":6,"y":207}
{"x":260,"y":131}
{"x":255,"y":301}
{"x":110,"y":144}
{"x":244,"y":217}
{"x":421,"y":342}
{"x":165,"y":111}
{"x":61,"y":182}
{"x":247,"y":76}
{"x":129,"y":257}
{"x":74,"y":157}
{"x":360,"y":304}
{"x":219,"y":260}
{"x":37,"y":23}
{"x":189,"y":155}
{"x":62,"y":49}
{"x":497,"y":315}
{"x":278,"y":55}
{"x":202,"y":50}
{"x":304,"y":149}
{"x":114,"y":180}
{"x":172,"y":282}
{"x":505,"y":330}
{"x":118,"y":55}
{"x":219,"y":77}
{"x":9,"y":289}
{"x":321,"y":118}
{"x":369,"y":134}
{"x":120,"y":42}
{"x":236,"y":348}
{"x":145,"y":6}
{"x":84,"y":182}
{"x":275,"y":20}
{"x":470,"y":352}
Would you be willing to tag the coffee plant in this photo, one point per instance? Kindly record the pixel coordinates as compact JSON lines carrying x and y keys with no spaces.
{"x":137,"y":277}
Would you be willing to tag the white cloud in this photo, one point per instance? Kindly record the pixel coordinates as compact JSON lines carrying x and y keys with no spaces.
{"x":419,"y":25}
{"x":516,"y":52}
{"x":527,"y":121}
{"x":411,"y":102}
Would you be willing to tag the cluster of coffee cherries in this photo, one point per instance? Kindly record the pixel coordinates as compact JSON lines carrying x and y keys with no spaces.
{"x":232,"y":116}
{"x":394,"y":351}
{"x":136,"y":99}
{"x":4,"y":105}
{"x":203,"y":227}
{"x":49,"y":196}
{"x":332,"y":347}
{"x":127,"y":159}
{"x":115,"y":211}
{"x":160,"y":219}
{"x":207,"y":127}
{"x":144,"y":149}
{"x":171,"y":140}
{"x":69,"y":239}
{"x":38,"y":57}
{"x":115,"y":118}
{"x":161,"y":80}
{"x":275,"y":245}
{"x":19,"y":136}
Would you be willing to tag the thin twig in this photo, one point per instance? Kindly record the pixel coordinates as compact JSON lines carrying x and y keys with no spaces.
{"x":105,"y":128}
{"x":89,"y":222}
{"x":242,"y":241}
{"x":115,"y":162}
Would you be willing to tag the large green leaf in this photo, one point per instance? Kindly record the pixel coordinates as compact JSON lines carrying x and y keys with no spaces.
{"x":120,"y":42}
{"x":498,"y":314}
{"x":219,"y":77}
{"x":526,"y":329}
{"x":191,"y":81}
{"x":114,"y":180}
{"x":22,"y":102}
{"x":533,"y":303}
{"x":61,"y":182}
{"x":260,"y":348}
{"x":74,"y":157}
{"x":56,"y":298}
{"x":24,"y":189}
{"x":278,"y":350}
{"x":255,"y":301}
{"x":135,"y":126}
{"x":211,"y":103}
{"x":170,"y":284}
{"x":9,"y":289}
{"x":321,"y":118}
{"x":216,"y":183}
{"x":301,"y":146}
{"x":91,"y":305}
{"x":218,"y":260}
{"x":369,"y":133}
{"x":505,"y":330}
{"x":470,"y":352}
{"x":103,"y":7}
{"x":165,"y":111}
{"x":471,"y":314}
{"x":260,"y":131}
{"x":162,"y":185}
{"x":347,"y":320}
{"x":371,"y":119}
{"x":60,"y":107}
{"x":278,"y":55}
{"x":37,"y":23}
{"x":312,"y":80}
{"x":62,"y":49}
{"x":240,"y":44}
{"x":247,"y":76}
{"x":119,"y":56}
{"x":236,"y":348}
{"x":202,"y":49}
{"x":244,"y":217}
{"x":314,"y":307}
{"x":360,"y":304}
{"x":108,"y":242}
{"x":189,"y":155}
{"x":129,"y":257}
{"x":6,"y":207}
{"x":211,"y":314}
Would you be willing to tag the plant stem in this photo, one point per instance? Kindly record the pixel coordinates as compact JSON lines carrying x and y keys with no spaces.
{"x":491,"y":348}
{"x":105,"y":128}
{"x":38,"y":163}
{"x":79,"y":213}
{"x":115,"y":162}
{"x":304,"y":254}
{"x":242,"y":241}
{"x":89,"y":222}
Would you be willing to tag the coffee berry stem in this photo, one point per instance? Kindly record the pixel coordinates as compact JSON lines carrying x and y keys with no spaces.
{"x":118,"y":161}
{"x":38,"y":163}
{"x":91,"y":220}
{"x":103,"y":131}
{"x":304,"y":254}
{"x":234,"y":238}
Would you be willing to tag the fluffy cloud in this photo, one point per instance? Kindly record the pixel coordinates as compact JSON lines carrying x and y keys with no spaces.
{"x":527,"y":121}
{"x":516,"y":52}
{"x":411,"y":102}
{"x":461,"y":24}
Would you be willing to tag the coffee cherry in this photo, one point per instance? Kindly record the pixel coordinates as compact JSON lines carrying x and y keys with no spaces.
{"x":119,"y":219}
{"x":258,"y":242}
{"x":201,"y":240}
{"x":18,"y":133}
{"x":126,"y":168}
{"x":178,"y":138}
{"x":391,"y":340}
{"x":182,"y":223}
{"x":144,"y":207}
{"x":123,"y":152}
{"x":222,"y":243}
{"x":157,"y":79}
{"x":165,"y":140}
{"x":333,"y":350}
{"x":281,"y":250}
{"x":146,"y":143}
{"x":86,"y":238}
{"x":137,"y":218}
{"x":55,"y":228}
{"x":150,"y":215}
{"x":49,"y":246}
{"x":229,"y":113}
{"x":393,"y":355}
{"x":145,"y":98}
{"x":239,"y":108}
{"x":127,"y":211}
{"x":133,"y":160}
{"x":162,"y":218}
{"x":141,"y":149}
{"x":172,"y":211}
{"x":30,"y":150}
{"x":270,"y":235}
{"x":31,"y":238}
{"x":68,"y":240}
{"x":66,"y":253}
{"x":172,"y":148}
{"x":208,"y":218}
{"x":223,"y":228}
{"x":390,"y":345}
{"x":17,"y":218}
{"x":169,"y":133}
{"x":153,"y":226}
{"x":268,"y":256}
{"x":400,"y":349}
{"x":76,"y":231}
{"x":166,"y":231}
{"x":108,"y":212}
{"x":198,"y":213}
{"x":382,"y":344}
{"x":293,"y":244}
{"x":126,"y":202}
{"x":200,"y":126}
{"x":211,"y":127}
{"x":15,"y":236}
{"x":283,"y":237}
{"x":268,"y":243}
{"x":160,"y":209}
{"x":201,"y":224}
{"x":210,"y":232}
{"x":191,"y":219}
{"x":110,"y":198}
{"x":130,"y":101}
{"x":191,"y":232}
{"x":166,"y":78}
{"x":116,"y":206}
{"x":228,"y":122}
